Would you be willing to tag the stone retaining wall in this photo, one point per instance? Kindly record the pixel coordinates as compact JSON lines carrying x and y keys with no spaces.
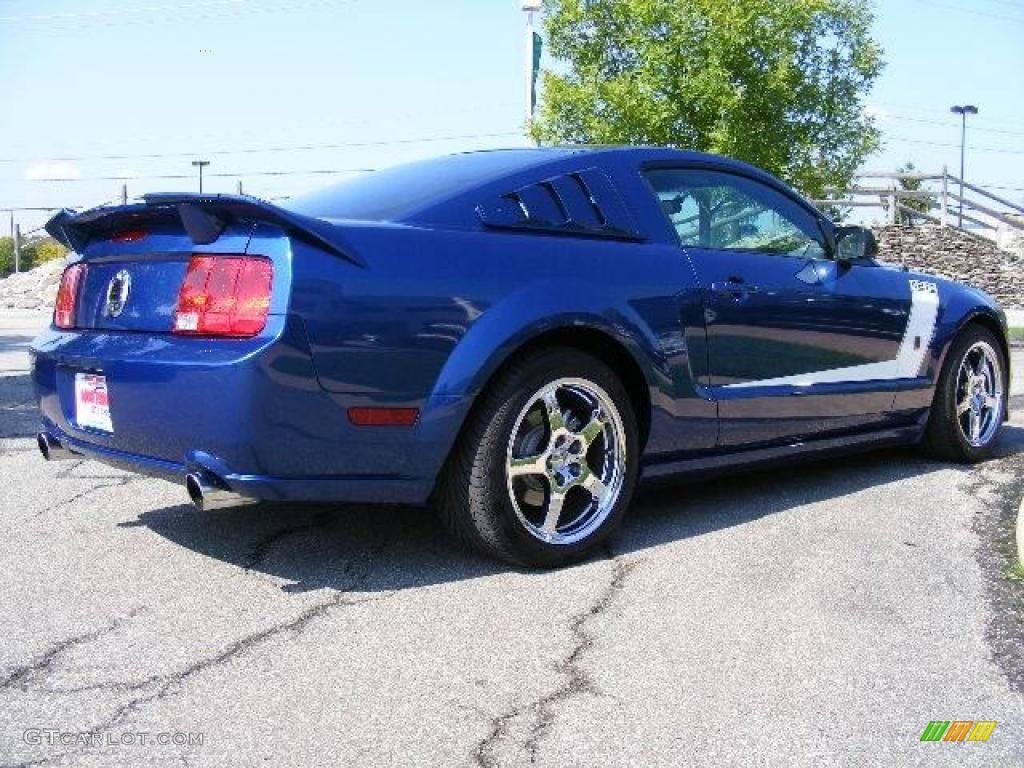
{"x":35,"y":289}
{"x":948,"y":252}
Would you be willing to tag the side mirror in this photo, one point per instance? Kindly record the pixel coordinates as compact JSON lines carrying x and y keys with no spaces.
{"x":855,"y":244}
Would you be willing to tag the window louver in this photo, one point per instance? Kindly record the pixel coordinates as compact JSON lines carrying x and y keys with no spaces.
{"x":584,"y":203}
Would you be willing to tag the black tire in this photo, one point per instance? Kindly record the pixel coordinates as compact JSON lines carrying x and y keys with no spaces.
{"x":944,"y":436}
{"x":473,"y":495}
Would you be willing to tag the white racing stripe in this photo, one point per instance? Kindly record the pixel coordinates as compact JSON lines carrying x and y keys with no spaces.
{"x":924,"y":312}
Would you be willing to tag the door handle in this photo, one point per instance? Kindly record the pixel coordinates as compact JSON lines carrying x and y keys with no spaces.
{"x":733,"y":287}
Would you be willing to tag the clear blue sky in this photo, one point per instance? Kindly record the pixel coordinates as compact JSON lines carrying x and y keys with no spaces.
{"x":229,"y":80}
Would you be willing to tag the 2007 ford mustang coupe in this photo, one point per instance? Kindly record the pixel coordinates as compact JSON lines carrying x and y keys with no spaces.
{"x":516,"y":336}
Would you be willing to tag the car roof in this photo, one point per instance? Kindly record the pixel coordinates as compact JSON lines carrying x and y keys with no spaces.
{"x":410,"y":190}
{"x":534,"y":158}
{"x":639,"y":152}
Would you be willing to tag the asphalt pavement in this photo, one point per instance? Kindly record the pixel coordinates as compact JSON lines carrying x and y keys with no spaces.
{"x":823,"y":614}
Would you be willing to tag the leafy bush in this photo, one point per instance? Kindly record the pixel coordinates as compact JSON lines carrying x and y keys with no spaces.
{"x":48,"y":250}
{"x":31,"y":255}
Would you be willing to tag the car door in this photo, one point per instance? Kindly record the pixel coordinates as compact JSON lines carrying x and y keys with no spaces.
{"x":783,"y":320}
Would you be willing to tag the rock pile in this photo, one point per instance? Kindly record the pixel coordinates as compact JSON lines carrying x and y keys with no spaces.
{"x":35,"y":289}
{"x":948,"y":252}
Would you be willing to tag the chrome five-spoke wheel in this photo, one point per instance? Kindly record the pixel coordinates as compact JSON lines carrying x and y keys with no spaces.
{"x":547,"y":463}
{"x":979,"y":394}
{"x":565,"y":460}
{"x":969,"y":405}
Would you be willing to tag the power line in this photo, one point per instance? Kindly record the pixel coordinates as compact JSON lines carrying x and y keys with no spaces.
{"x":45,"y":209}
{"x":947,"y":124}
{"x":984,"y":117}
{"x":261,"y":150}
{"x":118,"y":12}
{"x":192,"y":18}
{"x":972,"y":11}
{"x":244,"y":174}
{"x":972,"y":147}
{"x":234,"y":7}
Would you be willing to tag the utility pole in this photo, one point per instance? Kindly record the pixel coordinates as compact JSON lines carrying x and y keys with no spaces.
{"x":945,"y":196}
{"x":530,"y":7}
{"x":124,"y":194}
{"x":963,"y":111}
{"x":17,"y":248}
{"x":240,"y":187}
{"x":200,"y":164}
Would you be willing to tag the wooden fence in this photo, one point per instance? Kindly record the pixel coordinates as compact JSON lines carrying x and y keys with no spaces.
{"x":938,"y":198}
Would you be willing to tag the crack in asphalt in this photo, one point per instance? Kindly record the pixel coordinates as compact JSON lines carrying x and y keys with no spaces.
{"x":21,"y":675}
{"x":576,"y":681}
{"x":243,"y":646}
{"x":167,"y":685}
{"x":26,"y":407}
{"x":65,"y":473}
{"x":114,"y":686}
{"x":172,"y":683}
{"x":118,"y":483}
{"x":32,"y":763}
{"x":260,"y":549}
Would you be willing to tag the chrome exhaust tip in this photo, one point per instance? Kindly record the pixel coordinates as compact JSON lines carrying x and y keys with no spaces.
{"x":51,"y":448}
{"x":209,"y":493}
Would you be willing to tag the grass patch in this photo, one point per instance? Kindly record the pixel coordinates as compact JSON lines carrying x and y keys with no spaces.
{"x":1015,"y":572}
{"x":1017,"y":334}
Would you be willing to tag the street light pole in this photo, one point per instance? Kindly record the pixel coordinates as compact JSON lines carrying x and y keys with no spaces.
{"x":530,"y":7}
{"x":963,"y":111}
{"x":200,"y":164}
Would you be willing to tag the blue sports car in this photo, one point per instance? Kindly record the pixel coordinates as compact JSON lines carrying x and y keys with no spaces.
{"x":514,"y":336}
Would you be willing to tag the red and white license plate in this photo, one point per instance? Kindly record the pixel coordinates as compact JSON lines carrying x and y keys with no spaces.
{"x":92,"y":402}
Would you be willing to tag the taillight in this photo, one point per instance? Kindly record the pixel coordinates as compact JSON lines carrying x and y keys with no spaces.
{"x":224,"y":296}
{"x":67,"y":296}
{"x":128,"y":236}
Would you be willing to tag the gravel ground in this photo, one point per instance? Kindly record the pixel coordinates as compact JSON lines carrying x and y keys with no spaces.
{"x":819,"y":615}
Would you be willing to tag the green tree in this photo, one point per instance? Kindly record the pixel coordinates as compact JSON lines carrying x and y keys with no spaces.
{"x":778,"y":83}
{"x":924,"y":205}
{"x":28,"y":255}
{"x":48,"y":250}
{"x":6,"y":255}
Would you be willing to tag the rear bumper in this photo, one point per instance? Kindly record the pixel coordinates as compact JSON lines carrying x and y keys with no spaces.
{"x":251,"y":412}
{"x":341,"y":488}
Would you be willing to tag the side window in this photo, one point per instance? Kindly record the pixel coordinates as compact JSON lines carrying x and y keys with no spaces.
{"x":717,"y":210}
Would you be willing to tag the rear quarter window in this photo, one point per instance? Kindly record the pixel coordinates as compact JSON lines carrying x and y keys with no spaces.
{"x":396,"y":193}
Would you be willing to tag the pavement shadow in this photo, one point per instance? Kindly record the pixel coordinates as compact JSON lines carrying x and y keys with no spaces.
{"x":14,"y":342}
{"x":384,"y":548}
{"x":740,"y":497}
{"x":19,"y":416}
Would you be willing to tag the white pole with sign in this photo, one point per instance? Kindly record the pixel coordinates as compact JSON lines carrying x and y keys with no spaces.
{"x":530,"y":7}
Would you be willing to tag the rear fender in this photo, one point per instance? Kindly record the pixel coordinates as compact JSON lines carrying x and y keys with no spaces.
{"x":507,"y":327}
{"x":534,"y":310}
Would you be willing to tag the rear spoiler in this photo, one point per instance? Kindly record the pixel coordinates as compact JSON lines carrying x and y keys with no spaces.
{"x":204,"y":218}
